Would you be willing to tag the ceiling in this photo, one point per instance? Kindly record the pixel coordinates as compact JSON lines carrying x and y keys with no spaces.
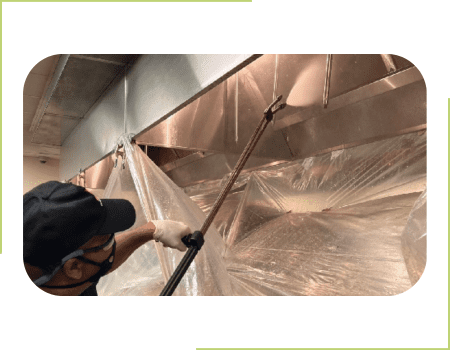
{"x":34,"y":89}
{"x":58,"y":93}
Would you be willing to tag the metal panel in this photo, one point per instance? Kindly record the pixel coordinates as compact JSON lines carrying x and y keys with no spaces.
{"x":199,"y":126}
{"x":81,"y":84}
{"x":212,"y":167}
{"x":97,"y":176}
{"x":399,"y":111}
{"x":213,"y":123}
{"x":300,"y":79}
{"x":160,"y":85}
{"x":157,"y":87}
{"x":112,"y":59}
{"x":378,"y":87}
{"x":75,"y":84}
{"x":253,"y":94}
{"x":401,"y":63}
{"x":194,"y":157}
{"x":352,"y":71}
{"x":96,"y":135}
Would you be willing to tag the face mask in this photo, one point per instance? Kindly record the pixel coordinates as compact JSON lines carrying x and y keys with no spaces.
{"x":105,"y":266}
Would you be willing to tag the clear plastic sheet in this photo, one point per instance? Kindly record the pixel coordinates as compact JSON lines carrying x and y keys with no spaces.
{"x":354,"y":250}
{"x":326,"y":225}
{"x":414,"y":239}
{"x":156,"y":197}
{"x":334,"y":224}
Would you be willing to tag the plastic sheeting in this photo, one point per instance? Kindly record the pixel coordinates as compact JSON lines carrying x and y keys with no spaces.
{"x":156,"y":197}
{"x":326,"y":225}
{"x":414,"y":239}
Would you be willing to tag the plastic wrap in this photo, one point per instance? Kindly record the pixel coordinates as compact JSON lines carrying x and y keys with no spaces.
{"x":156,"y":197}
{"x":414,"y":239}
{"x":354,"y":250}
{"x":326,"y":225}
{"x":334,"y":224}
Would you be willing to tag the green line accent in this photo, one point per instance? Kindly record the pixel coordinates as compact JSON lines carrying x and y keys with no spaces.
{"x":128,"y":1}
{"x":1,"y":115}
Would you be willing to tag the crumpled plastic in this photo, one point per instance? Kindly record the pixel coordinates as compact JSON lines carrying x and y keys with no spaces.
{"x":334,"y":224}
{"x":414,"y":239}
{"x":155,"y":197}
{"x":325,"y":225}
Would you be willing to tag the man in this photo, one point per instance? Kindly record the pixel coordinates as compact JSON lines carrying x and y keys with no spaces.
{"x":69,"y":238}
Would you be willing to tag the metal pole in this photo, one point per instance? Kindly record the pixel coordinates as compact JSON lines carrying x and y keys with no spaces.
{"x":268,"y":115}
{"x":326,"y":91}
{"x":196,"y":240}
{"x":180,"y":271}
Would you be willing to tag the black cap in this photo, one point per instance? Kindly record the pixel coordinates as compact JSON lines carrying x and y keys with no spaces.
{"x":58,"y":218}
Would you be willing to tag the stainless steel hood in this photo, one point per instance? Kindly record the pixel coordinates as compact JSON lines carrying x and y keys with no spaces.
{"x":371,"y":97}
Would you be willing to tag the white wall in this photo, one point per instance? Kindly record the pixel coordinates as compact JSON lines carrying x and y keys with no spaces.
{"x":35,"y":173}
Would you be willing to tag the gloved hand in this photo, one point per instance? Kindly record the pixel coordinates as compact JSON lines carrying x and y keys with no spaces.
{"x":169,"y":233}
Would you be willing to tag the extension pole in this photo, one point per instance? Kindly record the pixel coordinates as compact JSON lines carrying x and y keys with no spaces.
{"x":195,"y":241}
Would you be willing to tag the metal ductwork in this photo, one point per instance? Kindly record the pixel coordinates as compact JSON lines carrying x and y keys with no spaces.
{"x":333,"y":102}
{"x":76,"y":84}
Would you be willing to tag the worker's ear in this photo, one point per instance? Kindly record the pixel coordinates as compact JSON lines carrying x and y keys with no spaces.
{"x":73,"y":268}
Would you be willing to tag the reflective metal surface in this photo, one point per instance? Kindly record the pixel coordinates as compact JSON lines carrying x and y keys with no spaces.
{"x":223,"y":119}
{"x":215,"y":123}
{"x":96,"y":177}
{"x":198,"y":126}
{"x":157,"y":86}
{"x":253,"y":97}
{"x":212,"y":167}
{"x":382,"y":116}
{"x":184,"y":161}
{"x":379,"y":87}
{"x":326,"y":92}
{"x":389,"y":63}
{"x":161,"y":85}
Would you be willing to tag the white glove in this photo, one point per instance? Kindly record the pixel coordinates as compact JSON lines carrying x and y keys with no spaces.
{"x":169,"y":233}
